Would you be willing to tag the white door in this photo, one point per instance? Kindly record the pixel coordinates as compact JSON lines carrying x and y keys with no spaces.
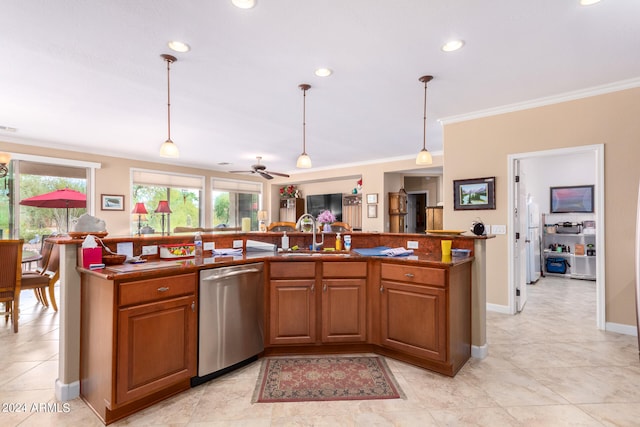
{"x":519,"y":237}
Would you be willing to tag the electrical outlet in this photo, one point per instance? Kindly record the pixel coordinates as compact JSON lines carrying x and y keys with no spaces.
{"x":412,"y":244}
{"x":150,"y":250}
{"x":237,"y":244}
{"x":209,"y":246}
{"x":499,"y":229}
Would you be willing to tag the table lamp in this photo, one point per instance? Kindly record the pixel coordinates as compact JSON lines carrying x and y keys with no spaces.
{"x":163,"y":208}
{"x":140,"y":210}
{"x":262,"y":221}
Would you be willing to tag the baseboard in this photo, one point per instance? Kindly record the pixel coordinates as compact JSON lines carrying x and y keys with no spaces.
{"x":479,"y":352}
{"x":621,"y":329}
{"x":66,"y":392}
{"x":504,"y":309}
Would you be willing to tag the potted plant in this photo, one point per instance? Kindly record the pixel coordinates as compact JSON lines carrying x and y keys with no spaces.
{"x":326,"y":218}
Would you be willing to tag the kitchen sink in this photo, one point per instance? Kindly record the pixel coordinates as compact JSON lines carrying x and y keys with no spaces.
{"x":306,"y":254}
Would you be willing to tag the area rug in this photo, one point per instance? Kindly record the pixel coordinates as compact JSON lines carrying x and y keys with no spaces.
{"x":301,"y":379}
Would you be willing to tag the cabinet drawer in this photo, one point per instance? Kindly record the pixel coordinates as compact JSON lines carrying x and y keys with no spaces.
{"x":426,"y":275}
{"x":142,"y":291}
{"x":344,"y":269}
{"x":293,"y":269}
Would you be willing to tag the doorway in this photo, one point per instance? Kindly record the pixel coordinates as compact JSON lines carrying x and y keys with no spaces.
{"x":593,"y":165}
{"x":416,"y":214}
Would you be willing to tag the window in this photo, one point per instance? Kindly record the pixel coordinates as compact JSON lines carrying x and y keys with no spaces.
{"x":31,"y":175}
{"x":234,"y":200}
{"x":183,"y":192}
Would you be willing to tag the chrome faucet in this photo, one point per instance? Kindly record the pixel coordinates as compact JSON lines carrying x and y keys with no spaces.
{"x":314,"y":245}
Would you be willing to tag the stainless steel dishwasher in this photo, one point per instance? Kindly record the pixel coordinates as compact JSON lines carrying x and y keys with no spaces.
{"x":231,"y":318}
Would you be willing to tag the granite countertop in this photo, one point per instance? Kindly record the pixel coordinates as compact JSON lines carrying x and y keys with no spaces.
{"x":165,"y":267}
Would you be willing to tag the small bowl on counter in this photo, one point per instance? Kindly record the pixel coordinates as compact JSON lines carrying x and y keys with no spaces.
{"x":114,"y":259}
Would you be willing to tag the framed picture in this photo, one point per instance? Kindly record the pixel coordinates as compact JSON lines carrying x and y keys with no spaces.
{"x":372,"y":198}
{"x":112,"y":202}
{"x":474,"y":194}
{"x":372,"y":211}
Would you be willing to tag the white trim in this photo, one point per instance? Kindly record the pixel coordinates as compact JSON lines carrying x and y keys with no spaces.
{"x":541,"y":102}
{"x":368,"y":162}
{"x":60,"y":161}
{"x":504,"y":309}
{"x":66,"y":392}
{"x":479,"y":352}
{"x":599,"y":214}
{"x":621,"y":329}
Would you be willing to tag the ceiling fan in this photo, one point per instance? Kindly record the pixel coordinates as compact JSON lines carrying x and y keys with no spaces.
{"x":262,"y":170}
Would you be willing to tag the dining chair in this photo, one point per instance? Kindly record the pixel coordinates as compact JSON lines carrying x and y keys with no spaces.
{"x":46,"y":277}
{"x":282,"y":226}
{"x":10,"y":276}
{"x":339,"y":227}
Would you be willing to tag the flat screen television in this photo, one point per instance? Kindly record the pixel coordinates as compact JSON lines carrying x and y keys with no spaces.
{"x":320,"y":202}
{"x":577,"y":198}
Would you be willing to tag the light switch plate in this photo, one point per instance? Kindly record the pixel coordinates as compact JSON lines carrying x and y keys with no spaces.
{"x":499,"y":229}
{"x":150,"y":250}
{"x":209,"y":246}
{"x":412,"y":244}
{"x":237,"y":244}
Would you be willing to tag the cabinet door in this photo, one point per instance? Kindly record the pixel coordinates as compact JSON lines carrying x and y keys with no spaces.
{"x":156,"y":346}
{"x":344,"y":310}
{"x":292,"y":314}
{"x":413,"y":319}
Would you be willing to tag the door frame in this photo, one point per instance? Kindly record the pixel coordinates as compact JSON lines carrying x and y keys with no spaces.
{"x":598,"y":150}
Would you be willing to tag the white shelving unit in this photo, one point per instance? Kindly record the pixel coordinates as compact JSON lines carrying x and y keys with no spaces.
{"x":580,"y":266}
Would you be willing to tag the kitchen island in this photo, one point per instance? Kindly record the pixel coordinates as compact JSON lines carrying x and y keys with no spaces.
{"x":380,"y":288}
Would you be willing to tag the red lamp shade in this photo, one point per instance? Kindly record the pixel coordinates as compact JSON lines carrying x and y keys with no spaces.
{"x":139,"y":209}
{"x":163,"y":207}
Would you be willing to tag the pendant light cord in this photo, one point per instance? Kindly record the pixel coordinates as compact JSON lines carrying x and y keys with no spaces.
{"x":424,"y":134}
{"x":168,"y":99}
{"x":304,"y":121}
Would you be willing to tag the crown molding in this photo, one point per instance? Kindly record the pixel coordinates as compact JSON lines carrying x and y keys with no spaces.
{"x":541,"y":102}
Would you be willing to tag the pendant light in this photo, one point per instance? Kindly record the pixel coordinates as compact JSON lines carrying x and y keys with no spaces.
{"x":168,"y":148}
{"x":424,"y":157}
{"x":304,"y":161}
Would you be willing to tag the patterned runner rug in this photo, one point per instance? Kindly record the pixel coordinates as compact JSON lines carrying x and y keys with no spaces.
{"x":300,"y":379}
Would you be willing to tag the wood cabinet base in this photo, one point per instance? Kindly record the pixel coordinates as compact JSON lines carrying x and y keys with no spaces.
{"x":109,"y":416}
{"x":449,"y":368}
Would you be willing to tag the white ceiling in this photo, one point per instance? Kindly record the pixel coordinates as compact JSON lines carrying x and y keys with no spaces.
{"x":87,"y":75}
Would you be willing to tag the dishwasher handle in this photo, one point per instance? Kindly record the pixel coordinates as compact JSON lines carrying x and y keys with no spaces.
{"x":230,"y":273}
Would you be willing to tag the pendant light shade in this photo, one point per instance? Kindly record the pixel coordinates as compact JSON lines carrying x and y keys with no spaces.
{"x":304,"y":161}
{"x":168,"y":148}
{"x":424,"y":157}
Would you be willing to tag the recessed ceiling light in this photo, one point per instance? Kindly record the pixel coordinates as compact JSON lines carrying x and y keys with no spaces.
{"x":178,"y":46}
{"x":452,"y":45}
{"x":244,"y":4}
{"x":323,"y":72}
{"x":8,"y":129}
{"x":588,"y":2}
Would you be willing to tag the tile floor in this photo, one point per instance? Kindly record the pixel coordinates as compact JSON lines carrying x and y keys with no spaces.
{"x":547,"y":366}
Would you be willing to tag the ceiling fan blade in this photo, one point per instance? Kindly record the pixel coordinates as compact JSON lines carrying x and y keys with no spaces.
{"x":279,"y":174}
{"x":265,"y":175}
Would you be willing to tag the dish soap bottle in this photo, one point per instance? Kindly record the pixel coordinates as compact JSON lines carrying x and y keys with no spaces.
{"x":285,"y":241}
{"x":197,"y":241}
{"x":338,"y":242}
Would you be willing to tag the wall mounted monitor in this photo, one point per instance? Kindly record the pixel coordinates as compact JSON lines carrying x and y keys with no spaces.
{"x":319,"y":202}
{"x":577,"y":198}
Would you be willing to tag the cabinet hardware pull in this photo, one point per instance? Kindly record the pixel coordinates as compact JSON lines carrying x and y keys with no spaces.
{"x":381,"y":288}
{"x":324,"y":287}
{"x":409,"y":274}
{"x":163,"y":289}
{"x":193,"y":306}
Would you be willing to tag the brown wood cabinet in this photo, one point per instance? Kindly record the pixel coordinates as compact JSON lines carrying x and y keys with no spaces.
{"x":397,"y":212}
{"x":304,"y":305}
{"x":138,"y":341}
{"x":291,"y":209}
{"x":425,"y":314}
{"x":434,"y":217}
{"x":344,"y":302}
